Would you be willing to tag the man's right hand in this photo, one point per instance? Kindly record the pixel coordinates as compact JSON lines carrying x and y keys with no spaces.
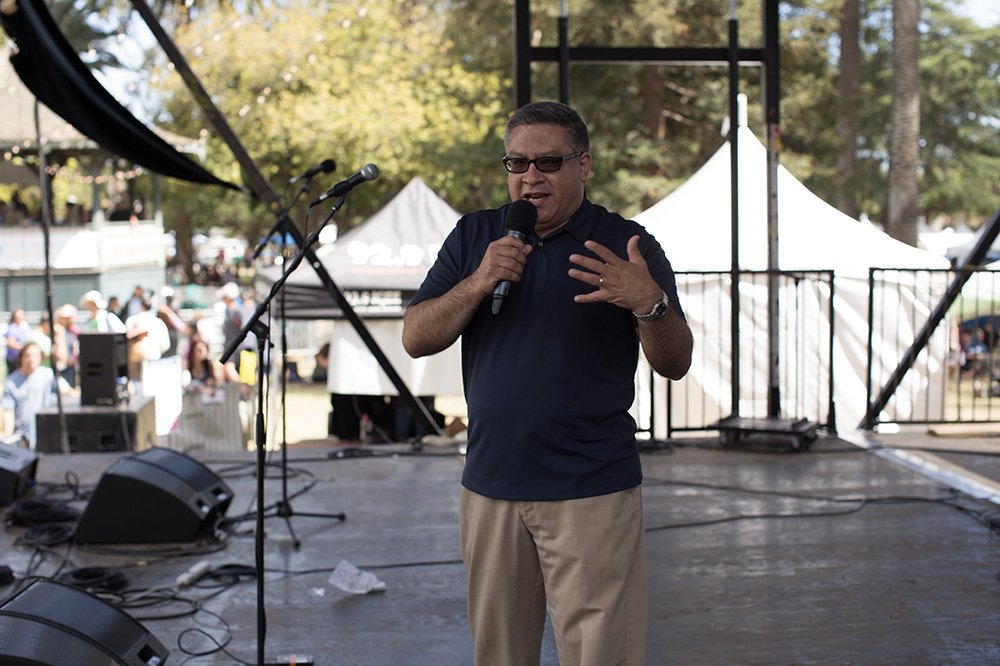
{"x":504,"y":260}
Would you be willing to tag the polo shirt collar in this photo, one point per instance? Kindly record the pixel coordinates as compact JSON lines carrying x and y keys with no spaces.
{"x":581,"y":224}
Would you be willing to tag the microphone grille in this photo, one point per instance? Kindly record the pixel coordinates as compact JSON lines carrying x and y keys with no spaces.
{"x":328,"y":166}
{"x":521,"y":216}
{"x":370,"y":171}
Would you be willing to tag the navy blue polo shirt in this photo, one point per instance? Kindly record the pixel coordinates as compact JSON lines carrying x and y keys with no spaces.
{"x":548,"y":381}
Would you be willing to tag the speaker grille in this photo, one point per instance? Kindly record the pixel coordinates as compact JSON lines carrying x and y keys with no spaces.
{"x":51,"y":623}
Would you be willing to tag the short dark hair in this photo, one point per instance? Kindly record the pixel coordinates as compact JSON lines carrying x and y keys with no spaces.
{"x":27,"y":345}
{"x":551,"y":113}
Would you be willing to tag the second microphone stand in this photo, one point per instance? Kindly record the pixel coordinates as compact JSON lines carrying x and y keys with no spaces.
{"x":283,"y":507}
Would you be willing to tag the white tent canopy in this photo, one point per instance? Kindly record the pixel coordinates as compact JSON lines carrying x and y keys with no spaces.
{"x":693,"y":224}
{"x":378,"y":265}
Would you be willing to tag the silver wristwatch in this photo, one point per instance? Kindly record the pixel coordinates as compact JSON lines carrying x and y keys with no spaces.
{"x":658,"y":310}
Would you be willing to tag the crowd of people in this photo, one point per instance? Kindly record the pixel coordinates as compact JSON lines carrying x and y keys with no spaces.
{"x":153,"y":328}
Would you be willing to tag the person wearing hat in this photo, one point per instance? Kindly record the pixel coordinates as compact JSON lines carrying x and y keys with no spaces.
{"x":235,"y":318}
{"x":66,"y":317}
{"x":101,"y":320}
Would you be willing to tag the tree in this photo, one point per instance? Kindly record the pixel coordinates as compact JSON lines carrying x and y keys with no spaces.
{"x":849,"y":118}
{"x":356,"y":81}
{"x":904,"y":123}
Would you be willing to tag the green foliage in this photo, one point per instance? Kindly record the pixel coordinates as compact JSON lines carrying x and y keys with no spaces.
{"x":357,"y":81}
{"x":423,"y":88}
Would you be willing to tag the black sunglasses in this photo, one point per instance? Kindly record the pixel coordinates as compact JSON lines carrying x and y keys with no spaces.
{"x":547,"y":164}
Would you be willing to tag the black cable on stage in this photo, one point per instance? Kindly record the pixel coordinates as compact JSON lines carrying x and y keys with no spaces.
{"x":951,"y":500}
{"x":94,"y":579}
{"x":46,"y":534}
{"x":37,"y":512}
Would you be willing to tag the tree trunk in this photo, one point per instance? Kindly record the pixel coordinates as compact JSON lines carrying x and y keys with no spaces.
{"x":183,"y":228}
{"x":848,"y":118}
{"x":653,"y":102}
{"x":904,"y":131}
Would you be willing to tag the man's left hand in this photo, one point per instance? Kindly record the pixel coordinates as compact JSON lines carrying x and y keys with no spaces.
{"x":624,"y":282}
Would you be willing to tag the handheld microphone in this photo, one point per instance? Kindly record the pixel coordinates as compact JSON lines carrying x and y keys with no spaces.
{"x":521,"y":218}
{"x":326,"y":166}
{"x":367,"y":172}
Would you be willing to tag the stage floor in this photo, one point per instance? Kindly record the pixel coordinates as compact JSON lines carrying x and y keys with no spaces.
{"x":757,"y":555}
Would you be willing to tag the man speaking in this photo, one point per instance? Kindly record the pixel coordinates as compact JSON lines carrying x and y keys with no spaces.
{"x":551,"y":508}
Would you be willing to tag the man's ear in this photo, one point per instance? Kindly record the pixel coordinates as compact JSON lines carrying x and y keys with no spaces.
{"x":585,"y":166}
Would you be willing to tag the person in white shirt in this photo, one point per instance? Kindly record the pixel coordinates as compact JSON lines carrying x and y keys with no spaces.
{"x":101,"y":320}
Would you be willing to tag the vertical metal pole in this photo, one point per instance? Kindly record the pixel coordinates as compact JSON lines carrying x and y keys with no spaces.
{"x":522,"y":53}
{"x":564,"y":55}
{"x":831,"y":426}
{"x":772,"y":118}
{"x":43,"y":178}
{"x":734,"y":195}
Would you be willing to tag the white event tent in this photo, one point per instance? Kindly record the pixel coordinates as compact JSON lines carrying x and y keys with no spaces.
{"x":378,"y":265}
{"x":693,"y":224}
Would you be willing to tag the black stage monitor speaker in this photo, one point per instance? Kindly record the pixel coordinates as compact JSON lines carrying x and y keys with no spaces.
{"x":17,"y":471}
{"x":103,"y":359}
{"x":57,"y":625}
{"x":155,"y":496}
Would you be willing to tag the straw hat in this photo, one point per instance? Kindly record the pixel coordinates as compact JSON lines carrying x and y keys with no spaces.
{"x":95,"y":297}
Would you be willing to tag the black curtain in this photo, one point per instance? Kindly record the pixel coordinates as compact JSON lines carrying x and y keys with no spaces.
{"x":52,"y":70}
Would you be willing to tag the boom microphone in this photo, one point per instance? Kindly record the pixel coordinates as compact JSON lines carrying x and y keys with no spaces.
{"x":326,"y":166}
{"x":367,"y":172}
{"x":521,"y":218}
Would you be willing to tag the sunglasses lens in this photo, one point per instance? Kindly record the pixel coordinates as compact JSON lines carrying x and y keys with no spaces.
{"x":548,"y":164}
{"x":516,"y":165}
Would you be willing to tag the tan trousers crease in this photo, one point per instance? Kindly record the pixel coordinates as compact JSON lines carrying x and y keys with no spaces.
{"x":586,"y":558}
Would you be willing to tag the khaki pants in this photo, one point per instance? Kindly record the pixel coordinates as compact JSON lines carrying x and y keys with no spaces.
{"x":585,"y":557}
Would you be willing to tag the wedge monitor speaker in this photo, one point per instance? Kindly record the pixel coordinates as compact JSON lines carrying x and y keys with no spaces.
{"x":17,"y":471}
{"x":53,"y":624}
{"x":156,"y":496}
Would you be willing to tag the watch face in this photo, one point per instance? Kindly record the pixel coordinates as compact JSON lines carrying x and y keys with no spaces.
{"x":658,"y":310}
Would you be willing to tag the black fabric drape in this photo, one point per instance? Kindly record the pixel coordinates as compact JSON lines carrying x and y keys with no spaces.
{"x":52,"y":70}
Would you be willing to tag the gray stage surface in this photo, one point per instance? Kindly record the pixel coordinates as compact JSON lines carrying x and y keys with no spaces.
{"x":757,"y":555}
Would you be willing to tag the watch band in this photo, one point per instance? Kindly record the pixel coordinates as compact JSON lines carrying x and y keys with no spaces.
{"x":659,"y":309}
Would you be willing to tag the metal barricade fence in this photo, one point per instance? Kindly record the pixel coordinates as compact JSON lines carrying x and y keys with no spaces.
{"x":955,"y":377}
{"x":804,"y":349}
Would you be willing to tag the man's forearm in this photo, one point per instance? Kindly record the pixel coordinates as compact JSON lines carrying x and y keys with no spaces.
{"x":667,"y":344}
{"x":434,"y":325}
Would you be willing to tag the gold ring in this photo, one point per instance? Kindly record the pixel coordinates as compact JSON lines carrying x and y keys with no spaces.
{"x":600,"y":281}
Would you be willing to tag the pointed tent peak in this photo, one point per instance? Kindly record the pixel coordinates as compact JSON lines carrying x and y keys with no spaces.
{"x":741,"y":115}
{"x":393,"y":248}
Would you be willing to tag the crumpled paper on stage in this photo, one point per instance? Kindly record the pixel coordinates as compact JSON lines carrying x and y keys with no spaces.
{"x":353,"y":580}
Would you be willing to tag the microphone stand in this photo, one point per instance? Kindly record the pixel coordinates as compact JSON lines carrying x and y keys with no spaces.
{"x":283,"y":508}
{"x":260,"y":433}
